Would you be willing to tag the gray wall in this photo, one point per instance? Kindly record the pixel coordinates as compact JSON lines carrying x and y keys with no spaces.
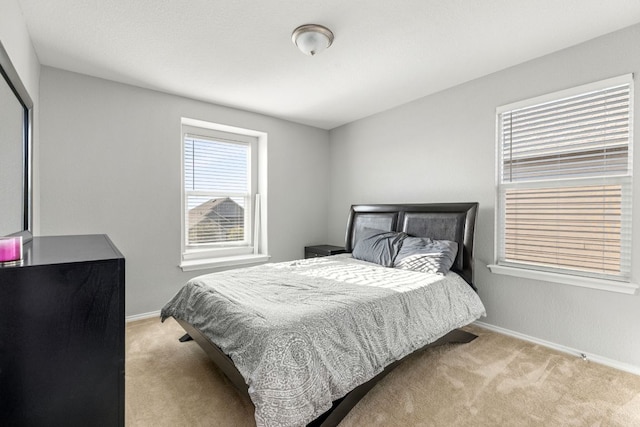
{"x":111,"y":164}
{"x":442,"y":148}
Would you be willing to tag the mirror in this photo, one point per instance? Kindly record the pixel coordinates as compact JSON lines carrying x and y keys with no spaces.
{"x":16,"y":109}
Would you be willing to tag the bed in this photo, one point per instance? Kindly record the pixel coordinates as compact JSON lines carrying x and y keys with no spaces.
{"x":305,"y":340}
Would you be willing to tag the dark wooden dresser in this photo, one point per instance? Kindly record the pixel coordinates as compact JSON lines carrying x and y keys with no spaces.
{"x":62,"y":334}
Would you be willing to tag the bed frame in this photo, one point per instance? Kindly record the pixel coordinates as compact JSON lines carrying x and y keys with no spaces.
{"x":440,"y":221}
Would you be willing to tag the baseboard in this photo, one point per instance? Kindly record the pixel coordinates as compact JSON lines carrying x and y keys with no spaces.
{"x":142,"y":316}
{"x":564,"y":349}
{"x":561,"y":348}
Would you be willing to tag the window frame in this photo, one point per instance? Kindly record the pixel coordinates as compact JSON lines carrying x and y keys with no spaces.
{"x":576,"y":277}
{"x":253,"y":248}
{"x":244,"y":246}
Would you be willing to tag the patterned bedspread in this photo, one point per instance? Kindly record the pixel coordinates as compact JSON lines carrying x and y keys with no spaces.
{"x":305,"y":333}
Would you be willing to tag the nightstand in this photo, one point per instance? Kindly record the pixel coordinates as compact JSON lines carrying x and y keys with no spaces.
{"x":322,"y":250}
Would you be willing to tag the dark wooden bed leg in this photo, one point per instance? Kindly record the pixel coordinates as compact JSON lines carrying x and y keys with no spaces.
{"x":457,"y":336}
{"x":185,"y":338}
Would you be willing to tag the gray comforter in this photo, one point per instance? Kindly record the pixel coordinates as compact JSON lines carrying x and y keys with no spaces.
{"x":305,"y":333}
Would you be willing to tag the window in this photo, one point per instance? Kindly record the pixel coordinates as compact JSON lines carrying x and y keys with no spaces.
{"x":221,"y":221}
{"x":564,"y":182}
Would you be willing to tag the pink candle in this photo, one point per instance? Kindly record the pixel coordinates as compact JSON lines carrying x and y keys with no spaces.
{"x":10,"y":248}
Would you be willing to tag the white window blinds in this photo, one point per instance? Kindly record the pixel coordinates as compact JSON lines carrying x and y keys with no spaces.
{"x":564,"y":184}
{"x":217,"y":180}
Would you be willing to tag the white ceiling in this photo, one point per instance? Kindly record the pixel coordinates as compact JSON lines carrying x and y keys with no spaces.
{"x":239,"y":53}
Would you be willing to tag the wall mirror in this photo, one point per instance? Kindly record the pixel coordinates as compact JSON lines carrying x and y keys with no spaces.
{"x":16,"y":112}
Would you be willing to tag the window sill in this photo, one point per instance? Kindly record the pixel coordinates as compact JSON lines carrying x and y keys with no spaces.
{"x":223,"y":262}
{"x":584,"y":282}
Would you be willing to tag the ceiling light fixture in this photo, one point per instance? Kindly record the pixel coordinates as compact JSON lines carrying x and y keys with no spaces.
{"x":312,"y":39}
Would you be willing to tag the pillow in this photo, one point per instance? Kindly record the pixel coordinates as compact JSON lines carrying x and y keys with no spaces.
{"x":426,"y":255}
{"x":378,"y":246}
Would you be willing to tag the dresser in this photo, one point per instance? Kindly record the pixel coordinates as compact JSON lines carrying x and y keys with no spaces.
{"x":62,"y":334}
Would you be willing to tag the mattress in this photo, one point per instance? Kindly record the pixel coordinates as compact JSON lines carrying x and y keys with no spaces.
{"x":304,"y":333}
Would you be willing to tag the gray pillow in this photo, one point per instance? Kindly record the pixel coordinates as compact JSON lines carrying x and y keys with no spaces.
{"x":378,"y":246}
{"x":426,"y":255}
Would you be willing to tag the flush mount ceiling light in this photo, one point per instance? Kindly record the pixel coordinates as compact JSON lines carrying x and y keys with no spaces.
{"x":312,"y":39}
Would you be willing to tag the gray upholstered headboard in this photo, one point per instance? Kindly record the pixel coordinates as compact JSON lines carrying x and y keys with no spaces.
{"x":439,"y":221}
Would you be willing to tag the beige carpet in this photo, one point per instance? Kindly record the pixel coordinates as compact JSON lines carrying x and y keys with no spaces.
{"x":492,"y":381}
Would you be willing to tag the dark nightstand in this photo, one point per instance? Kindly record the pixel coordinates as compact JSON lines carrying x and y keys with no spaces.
{"x":322,"y":250}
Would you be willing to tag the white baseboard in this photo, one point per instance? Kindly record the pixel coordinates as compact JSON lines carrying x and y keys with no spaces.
{"x":626,"y":367}
{"x":142,"y":316}
{"x":564,"y":349}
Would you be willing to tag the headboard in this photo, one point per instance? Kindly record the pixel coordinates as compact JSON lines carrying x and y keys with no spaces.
{"x":439,"y":221}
